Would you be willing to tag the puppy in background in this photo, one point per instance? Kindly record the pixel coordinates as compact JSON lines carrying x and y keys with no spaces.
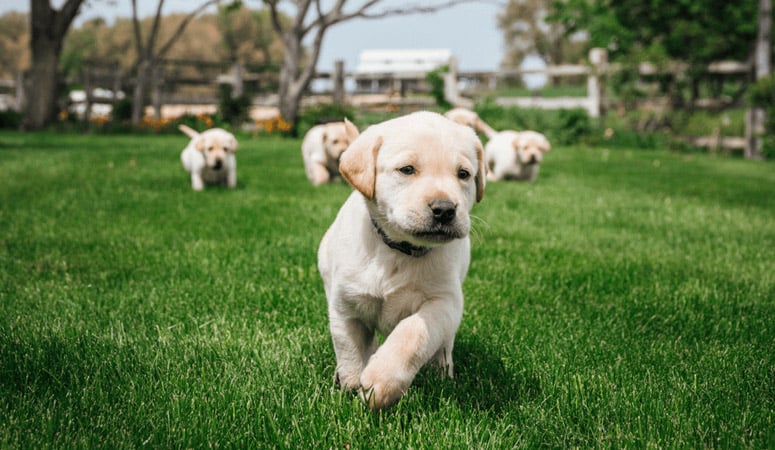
{"x":209,"y":157}
{"x":513,"y":155}
{"x":394,"y":260}
{"x":471,"y":119}
{"x":321,"y":148}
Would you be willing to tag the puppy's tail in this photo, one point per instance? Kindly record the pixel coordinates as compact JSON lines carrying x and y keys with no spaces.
{"x":190,"y":132}
{"x":487,"y":130}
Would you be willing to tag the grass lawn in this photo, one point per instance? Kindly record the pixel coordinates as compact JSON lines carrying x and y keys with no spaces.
{"x":627,"y":299}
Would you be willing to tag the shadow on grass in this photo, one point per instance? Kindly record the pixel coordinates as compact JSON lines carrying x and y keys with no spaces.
{"x":482,"y":381}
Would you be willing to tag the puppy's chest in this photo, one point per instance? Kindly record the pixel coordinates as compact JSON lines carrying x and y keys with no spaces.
{"x":383,"y":298}
{"x":210,"y":175}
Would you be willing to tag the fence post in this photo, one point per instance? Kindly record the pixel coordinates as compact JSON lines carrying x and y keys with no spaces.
{"x":338,"y":82}
{"x":88,"y":88}
{"x":238,"y":81}
{"x":598,"y":58}
{"x":156,"y":91}
{"x":116,"y":82}
{"x":755,"y":118}
{"x":451,"y":89}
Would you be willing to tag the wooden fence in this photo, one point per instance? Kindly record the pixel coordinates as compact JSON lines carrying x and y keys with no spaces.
{"x":201,"y":80}
{"x":596,"y":102}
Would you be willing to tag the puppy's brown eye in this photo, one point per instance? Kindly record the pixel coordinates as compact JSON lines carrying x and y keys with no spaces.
{"x":407,"y":170}
{"x":463,"y":174}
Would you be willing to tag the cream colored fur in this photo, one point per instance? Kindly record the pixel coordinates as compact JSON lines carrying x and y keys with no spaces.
{"x":321,"y":149}
{"x":515,"y":155}
{"x":471,"y":119}
{"x":209,"y":157}
{"x":416,"y":178}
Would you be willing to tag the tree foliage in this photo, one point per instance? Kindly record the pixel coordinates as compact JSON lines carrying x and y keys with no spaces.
{"x":14,"y":44}
{"x":526,"y":31}
{"x":693,"y":31}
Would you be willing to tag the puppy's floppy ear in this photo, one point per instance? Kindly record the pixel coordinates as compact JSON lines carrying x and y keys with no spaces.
{"x":199,"y":144}
{"x":351,"y":130}
{"x":358,"y":164}
{"x":544,"y":144}
{"x":517,"y":142}
{"x":481,"y":172}
{"x":232,"y":144}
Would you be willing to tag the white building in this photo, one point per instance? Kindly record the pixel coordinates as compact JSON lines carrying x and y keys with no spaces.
{"x":398,"y":70}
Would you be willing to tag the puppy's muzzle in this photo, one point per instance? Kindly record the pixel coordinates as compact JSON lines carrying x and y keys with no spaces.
{"x":443,"y":211}
{"x":218,"y":164}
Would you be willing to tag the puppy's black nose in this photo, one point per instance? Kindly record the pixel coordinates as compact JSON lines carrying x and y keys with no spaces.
{"x":218,"y":164}
{"x":443,"y":211}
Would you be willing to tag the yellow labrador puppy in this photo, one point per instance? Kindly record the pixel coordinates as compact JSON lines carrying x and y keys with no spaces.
{"x":321,"y":148}
{"x":209,"y":157}
{"x":515,"y":155}
{"x":470,"y":118}
{"x":395,"y":257}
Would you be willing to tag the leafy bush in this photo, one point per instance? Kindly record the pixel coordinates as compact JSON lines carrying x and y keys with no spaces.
{"x":435,"y":79}
{"x":574,"y":126}
{"x":559,"y":126}
{"x":762,"y":95}
{"x":10,"y":119}
{"x":122,"y":110}
{"x":325,"y":113}
{"x":233,"y":110}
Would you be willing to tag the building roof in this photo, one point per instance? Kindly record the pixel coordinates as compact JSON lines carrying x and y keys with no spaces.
{"x":401,"y":62}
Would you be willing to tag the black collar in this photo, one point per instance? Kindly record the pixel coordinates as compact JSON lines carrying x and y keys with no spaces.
{"x":404,"y":247}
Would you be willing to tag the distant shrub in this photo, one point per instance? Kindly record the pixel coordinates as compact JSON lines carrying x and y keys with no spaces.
{"x":435,"y":79}
{"x":232,"y":110}
{"x":10,"y":119}
{"x":318,"y":114}
{"x":574,"y":126}
{"x":762,"y":95}
{"x":560,"y":126}
{"x":122,"y":110}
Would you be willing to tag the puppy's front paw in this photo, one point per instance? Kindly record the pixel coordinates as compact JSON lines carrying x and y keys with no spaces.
{"x":346,"y":382}
{"x":380,"y":389}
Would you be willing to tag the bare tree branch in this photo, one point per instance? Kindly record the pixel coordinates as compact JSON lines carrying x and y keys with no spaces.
{"x":179,"y":31}
{"x":136,"y":27}
{"x":154,"y":29}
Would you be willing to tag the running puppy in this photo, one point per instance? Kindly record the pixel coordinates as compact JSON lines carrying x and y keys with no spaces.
{"x":209,"y":157}
{"x":395,"y":257}
{"x":321,"y":148}
{"x":513,"y":155}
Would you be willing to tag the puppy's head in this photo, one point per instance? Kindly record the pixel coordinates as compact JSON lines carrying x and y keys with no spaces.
{"x":421,"y":173}
{"x":335,"y":139}
{"x":530,"y":147}
{"x":215,"y":144}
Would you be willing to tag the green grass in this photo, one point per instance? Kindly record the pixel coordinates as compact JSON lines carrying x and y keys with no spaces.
{"x":625,"y":300}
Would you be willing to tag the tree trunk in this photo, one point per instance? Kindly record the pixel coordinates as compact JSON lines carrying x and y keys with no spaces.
{"x":42,"y":85}
{"x":140,"y":94}
{"x":291,"y":86}
{"x":48,"y":28}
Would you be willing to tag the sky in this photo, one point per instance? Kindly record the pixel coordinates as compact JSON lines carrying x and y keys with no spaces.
{"x":470,"y":31}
